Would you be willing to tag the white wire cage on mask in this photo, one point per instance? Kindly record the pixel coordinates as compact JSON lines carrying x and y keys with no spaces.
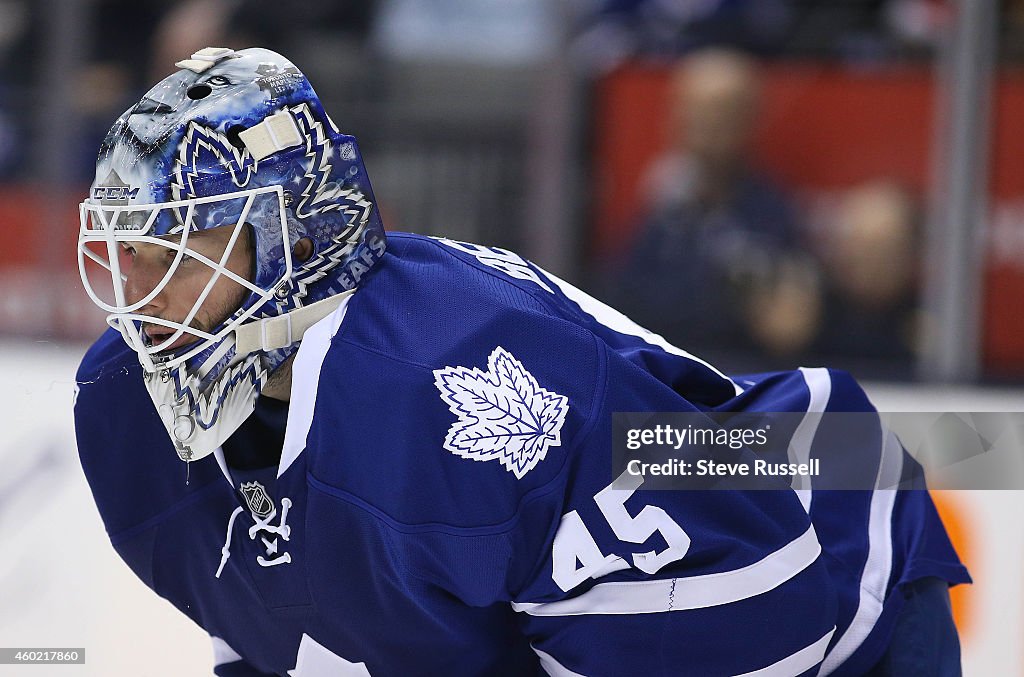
{"x":108,"y":232}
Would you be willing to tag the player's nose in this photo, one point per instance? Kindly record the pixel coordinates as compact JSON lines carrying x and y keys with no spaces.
{"x":141,"y":279}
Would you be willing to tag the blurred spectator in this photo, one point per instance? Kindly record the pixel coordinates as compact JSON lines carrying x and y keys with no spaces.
{"x":187,"y":27}
{"x":17,"y":50}
{"x":327,"y":40}
{"x":307,"y":31}
{"x":922,"y":23}
{"x":1011,"y":23}
{"x":111,"y":75}
{"x":613,"y":31}
{"x":858,"y":31}
{"x":510,"y":32}
{"x":716,"y":265}
{"x":871,"y":306}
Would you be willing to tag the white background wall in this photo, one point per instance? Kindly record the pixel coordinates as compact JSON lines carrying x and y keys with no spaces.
{"x":61,"y":585}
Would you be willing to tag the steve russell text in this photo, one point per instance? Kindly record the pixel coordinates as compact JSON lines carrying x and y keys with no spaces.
{"x":707,"y":468}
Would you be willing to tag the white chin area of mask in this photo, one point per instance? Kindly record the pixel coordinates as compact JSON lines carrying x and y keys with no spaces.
{"x":199,"y":421}
{"x":200,"y":417}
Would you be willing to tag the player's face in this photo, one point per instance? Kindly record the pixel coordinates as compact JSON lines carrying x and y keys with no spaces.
{"x":148,"y":264}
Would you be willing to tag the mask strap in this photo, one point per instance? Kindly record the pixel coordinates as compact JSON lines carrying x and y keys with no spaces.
{"x":273,"y":333}
{"x":277,"y":132}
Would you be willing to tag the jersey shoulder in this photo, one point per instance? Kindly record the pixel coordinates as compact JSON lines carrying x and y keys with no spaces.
{"x":807,"y":389}
{"x":447,"y":394}
{"x":431,"y":296}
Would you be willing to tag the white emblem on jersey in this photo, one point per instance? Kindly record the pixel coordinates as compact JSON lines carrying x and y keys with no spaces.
{"x":503,"y":413}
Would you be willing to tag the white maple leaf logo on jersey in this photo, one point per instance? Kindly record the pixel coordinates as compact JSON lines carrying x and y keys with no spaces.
{"x":503,"y":413}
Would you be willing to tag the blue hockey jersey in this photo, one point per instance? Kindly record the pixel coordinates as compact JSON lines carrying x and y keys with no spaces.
{"x":443,"y":503}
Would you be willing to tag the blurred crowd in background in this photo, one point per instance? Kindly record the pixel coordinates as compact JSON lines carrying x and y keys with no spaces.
{"x":485,"y":121}
{"x":729,"y":251}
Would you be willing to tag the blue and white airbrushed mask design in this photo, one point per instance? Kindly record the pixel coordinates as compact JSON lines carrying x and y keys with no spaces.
{"x":234,"y":140}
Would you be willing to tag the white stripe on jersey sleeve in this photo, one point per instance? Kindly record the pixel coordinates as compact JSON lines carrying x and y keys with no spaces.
{"x":305,"y":380}
{"x":819,"y":385}
{"x":878,"y":567}
{"x":553,"y":667}
{"x":222,"y":653}
{"x":616,"y":321}
{"x":796,"y":663}
{"x":693,"y":592}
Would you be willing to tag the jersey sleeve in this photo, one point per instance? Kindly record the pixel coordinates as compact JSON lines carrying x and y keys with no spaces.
{"x":878,"y":543}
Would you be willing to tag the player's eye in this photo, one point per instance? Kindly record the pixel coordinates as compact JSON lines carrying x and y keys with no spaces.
{"x":128,"y":250}
{"x":218,"y":81}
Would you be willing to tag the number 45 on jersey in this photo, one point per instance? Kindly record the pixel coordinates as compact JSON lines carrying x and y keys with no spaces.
{"x":574,"y":543}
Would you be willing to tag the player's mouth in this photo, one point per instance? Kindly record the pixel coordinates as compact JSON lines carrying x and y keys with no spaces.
{"x":158,"y":334}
